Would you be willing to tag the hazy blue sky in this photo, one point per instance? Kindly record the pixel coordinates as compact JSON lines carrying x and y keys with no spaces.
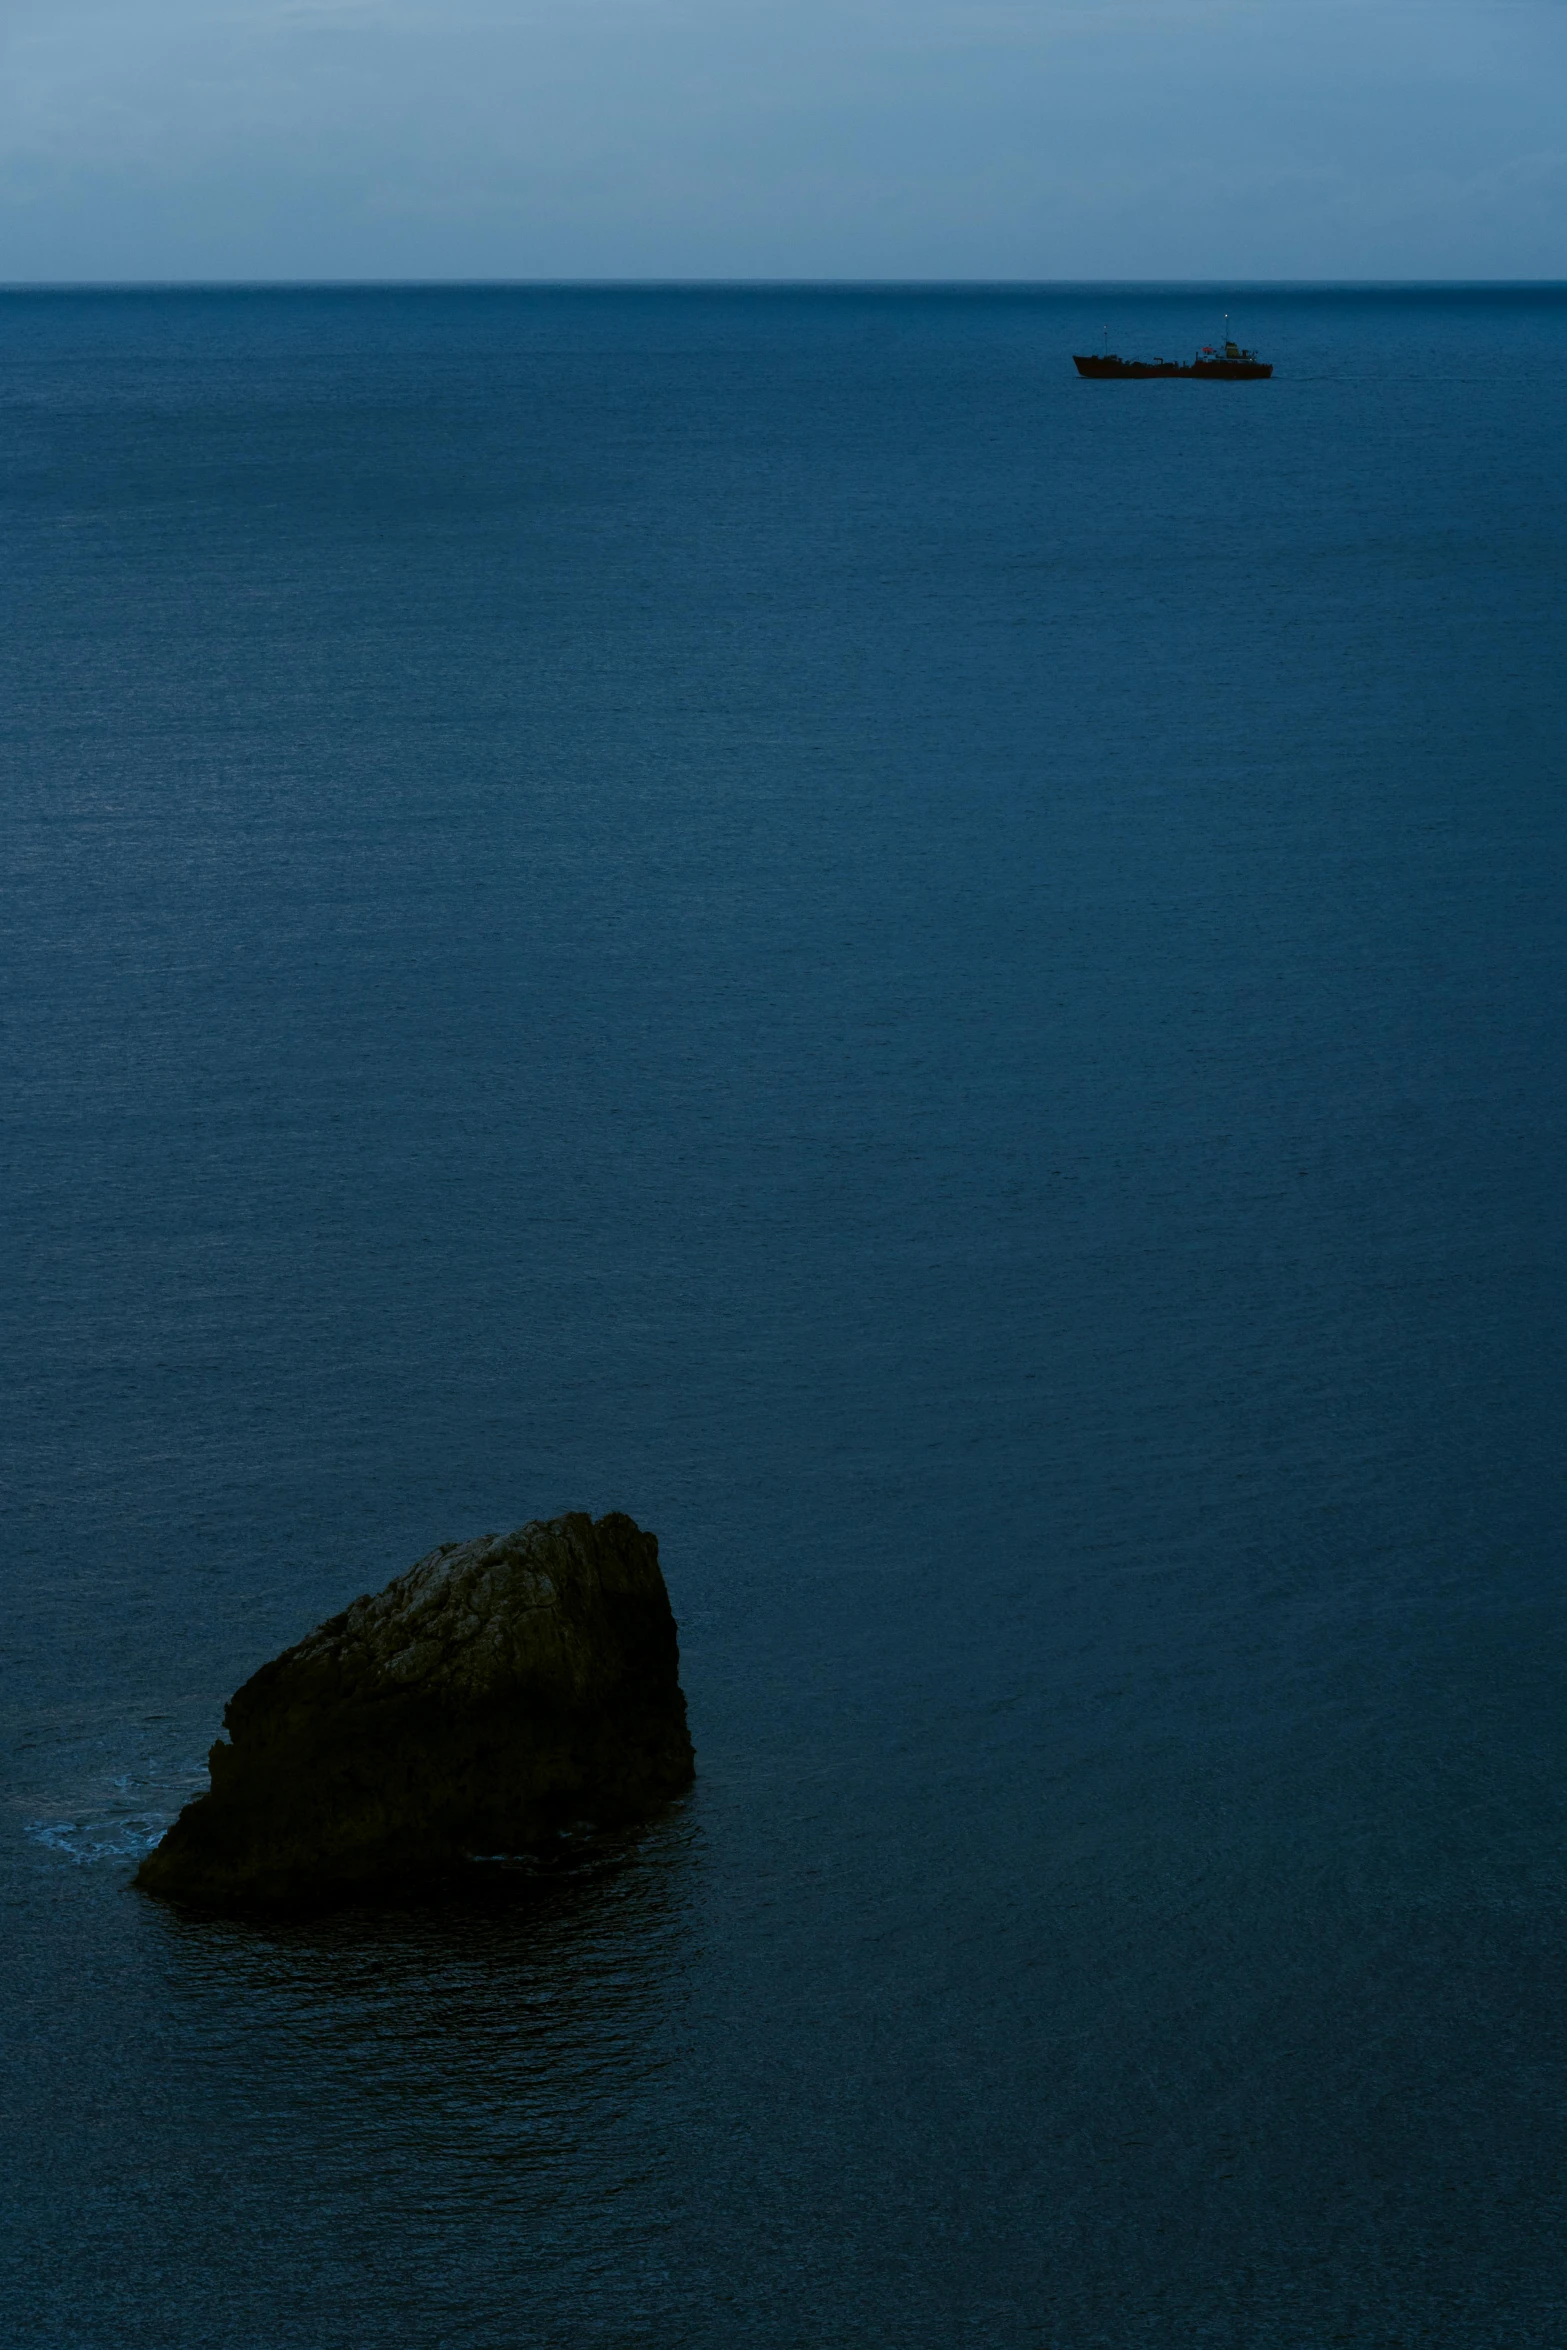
{"x":796,"y":138}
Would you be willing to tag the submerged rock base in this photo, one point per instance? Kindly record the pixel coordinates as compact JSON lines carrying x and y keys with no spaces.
{"x":496,"y":1691}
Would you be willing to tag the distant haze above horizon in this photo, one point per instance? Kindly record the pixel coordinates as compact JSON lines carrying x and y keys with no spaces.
{"x":300,"y":139}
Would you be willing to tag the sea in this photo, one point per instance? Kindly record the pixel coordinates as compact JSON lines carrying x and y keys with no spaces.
{"x":756,"y":906}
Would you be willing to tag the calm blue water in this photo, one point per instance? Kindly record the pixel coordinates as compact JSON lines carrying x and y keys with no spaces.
{"x":950,"y":985}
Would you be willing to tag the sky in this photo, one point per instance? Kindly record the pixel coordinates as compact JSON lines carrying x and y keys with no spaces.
{"x":1022,"y":139}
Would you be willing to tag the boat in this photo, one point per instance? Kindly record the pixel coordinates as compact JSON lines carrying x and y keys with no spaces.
{"x":1227,"y":365}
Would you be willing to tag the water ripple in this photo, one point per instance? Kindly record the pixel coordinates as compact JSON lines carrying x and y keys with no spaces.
{"x":123,"y":1821}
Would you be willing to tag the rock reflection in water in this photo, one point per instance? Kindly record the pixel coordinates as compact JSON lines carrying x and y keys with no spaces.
{"x":388,"y":2056}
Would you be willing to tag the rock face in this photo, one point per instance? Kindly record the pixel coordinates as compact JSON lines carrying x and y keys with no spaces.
{"x":498,"y":1689}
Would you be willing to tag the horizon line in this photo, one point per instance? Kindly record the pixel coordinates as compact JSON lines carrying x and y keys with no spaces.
{"x":650,"y":284}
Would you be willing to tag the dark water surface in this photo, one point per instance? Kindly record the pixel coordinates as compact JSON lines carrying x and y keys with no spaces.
{"x":948,"y":984}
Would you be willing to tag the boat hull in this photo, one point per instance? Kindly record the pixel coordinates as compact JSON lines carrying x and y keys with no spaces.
{"x":1214,"y":370}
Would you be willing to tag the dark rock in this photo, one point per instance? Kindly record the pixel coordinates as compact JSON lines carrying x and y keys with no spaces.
{"x":498,"y":1690}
